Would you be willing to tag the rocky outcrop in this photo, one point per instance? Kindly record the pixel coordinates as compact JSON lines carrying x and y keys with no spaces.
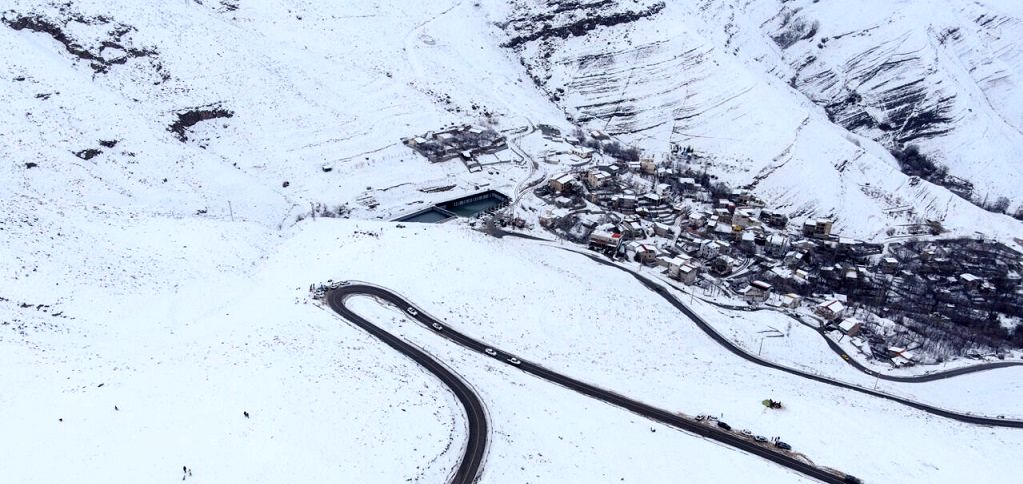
{"x":191,"y":117}
{"x":116,"y":47}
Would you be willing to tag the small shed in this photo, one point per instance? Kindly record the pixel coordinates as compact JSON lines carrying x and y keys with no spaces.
{"x":850,"y":326}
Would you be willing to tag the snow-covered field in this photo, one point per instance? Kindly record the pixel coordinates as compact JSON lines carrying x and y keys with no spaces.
{"x":327,"y":401}
{"x":555,"y":306}
{"x":153,"y":290}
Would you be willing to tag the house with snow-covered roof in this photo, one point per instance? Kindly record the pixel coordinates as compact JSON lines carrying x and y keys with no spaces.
{"x":791,"y":301}
{"x":850,"y":326}
{"x":562,"y":182}
{"x":830,"y":310}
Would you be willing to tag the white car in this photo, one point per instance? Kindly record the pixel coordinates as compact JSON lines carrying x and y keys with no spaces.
{"x":411,"y":310}
{"x":515,"y":361}
{"x":335,"y":285}
{"x":437,"y":326}
{"x":490,"y":351}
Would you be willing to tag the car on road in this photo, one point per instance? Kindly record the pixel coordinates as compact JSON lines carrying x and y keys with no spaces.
{"x":724,"y":425}
{"x":782,"y":445}
{"x":515,"y":361}
{"x":490,"y":351}
{"x":437,"y":326}
{"x":760,"y":438}
{"x":411,"y":310}
{"x":845,"y":357}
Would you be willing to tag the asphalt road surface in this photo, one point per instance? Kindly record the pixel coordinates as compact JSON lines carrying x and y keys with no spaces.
{"x":837,"y":349}
{"x":938,"y":375}
{"x":476,"y":448}
{"x":725,"y":342}
{"x":470,"y":464}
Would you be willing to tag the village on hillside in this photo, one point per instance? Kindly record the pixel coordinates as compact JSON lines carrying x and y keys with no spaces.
{"x":918,"y":299}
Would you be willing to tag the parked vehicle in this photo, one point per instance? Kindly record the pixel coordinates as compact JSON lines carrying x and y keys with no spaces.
{"x":724,"y":425}
{"x":851,"y":479}
{"x":760,"y":438}
{"x":782,"y":445}
{"x":700,"y":418}
{"x":746,"y":432}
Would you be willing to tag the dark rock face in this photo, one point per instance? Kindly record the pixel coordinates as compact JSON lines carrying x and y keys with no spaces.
{"x":538,"y":30}
{"x":117,"y":48}
{"x":88,"y":153}
{"x":539,"y":27}
{"x":794,"y":29}
{"x":191,"y":117}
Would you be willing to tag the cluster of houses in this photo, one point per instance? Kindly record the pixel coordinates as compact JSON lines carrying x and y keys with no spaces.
{"x":465,"y":142}
{"x":666,"y":218}
{"x":663,"y":214}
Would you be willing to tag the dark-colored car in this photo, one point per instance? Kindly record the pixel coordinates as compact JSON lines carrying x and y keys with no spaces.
{"x":724,"y":425}
{"x":851,"y":479}
{"x":782,"y":445}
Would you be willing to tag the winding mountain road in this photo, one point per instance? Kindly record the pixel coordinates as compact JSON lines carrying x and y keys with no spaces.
{"x":469,"y":466}
{"x":476,"y":446}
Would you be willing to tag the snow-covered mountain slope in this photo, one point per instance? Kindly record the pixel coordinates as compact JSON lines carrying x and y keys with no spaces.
{"x":707,"y":75}
{"x":154,"y":158}
{"x":290,"y":86}
{"x":943,"y":75}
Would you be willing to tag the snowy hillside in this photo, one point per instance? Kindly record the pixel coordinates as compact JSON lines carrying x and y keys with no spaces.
{"x":707,"y":75}
{"x":943,"y":76}
{"x":161,"y":164}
